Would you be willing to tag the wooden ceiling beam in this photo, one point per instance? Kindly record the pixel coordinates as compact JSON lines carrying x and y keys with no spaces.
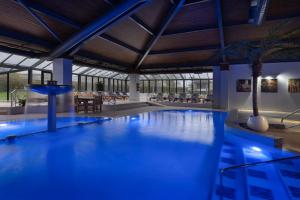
{"x":60,"y":18}
{"x":135,"y":19}
{"x":175,"y":9}
{"x":227,"y":25}
{"x":183,"y":50}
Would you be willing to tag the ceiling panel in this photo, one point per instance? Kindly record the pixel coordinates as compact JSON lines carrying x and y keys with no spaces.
{"x":154,"y":12}
{"x":235,"y":11}
{"x":194,"y":16}
{"x":179,"y":58}
{"x":192,"y":39}
{"x":283,"y":8}
{"x":109,"y":50}
{"x":128,"y":32}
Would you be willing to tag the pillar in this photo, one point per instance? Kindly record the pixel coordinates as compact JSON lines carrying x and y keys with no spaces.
{"x":221,"y":78}
{"x":62,"y":73}
{"x":134,"y":87}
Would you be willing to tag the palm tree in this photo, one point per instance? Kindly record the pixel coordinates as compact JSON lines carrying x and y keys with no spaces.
{"x":274,"y":45}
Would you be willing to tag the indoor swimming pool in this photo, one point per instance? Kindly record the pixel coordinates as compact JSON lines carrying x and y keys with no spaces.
{"x":170,"y":154}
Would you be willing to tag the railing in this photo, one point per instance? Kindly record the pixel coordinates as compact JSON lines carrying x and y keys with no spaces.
{"x":251,"y":165}
{"x":14,"y":96}
{"x":288,"y":115}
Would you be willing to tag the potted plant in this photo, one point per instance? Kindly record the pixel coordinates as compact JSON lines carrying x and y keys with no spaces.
{"x":22,"y":102}
{"x":99,"y":87}
{"x":274,"y":45}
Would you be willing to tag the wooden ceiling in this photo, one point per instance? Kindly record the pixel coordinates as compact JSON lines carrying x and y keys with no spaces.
{"x":147,"y":41}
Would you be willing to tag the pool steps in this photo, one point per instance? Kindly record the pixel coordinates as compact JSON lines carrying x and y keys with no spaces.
{"x":277,"y":181}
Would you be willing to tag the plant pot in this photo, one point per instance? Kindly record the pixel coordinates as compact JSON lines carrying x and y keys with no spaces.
{"x":258,"y":123}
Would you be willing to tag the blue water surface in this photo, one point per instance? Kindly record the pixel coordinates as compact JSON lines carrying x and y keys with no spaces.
{"x":29,"y":126}
{"x":155,"y":155}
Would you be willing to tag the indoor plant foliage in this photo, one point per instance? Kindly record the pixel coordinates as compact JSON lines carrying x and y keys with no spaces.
{"x":275,"y":45}
{"x":99,"y":86}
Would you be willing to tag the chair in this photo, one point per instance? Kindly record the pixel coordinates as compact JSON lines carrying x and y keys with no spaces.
{"x":182,"y":97}
{"x":78,"y":104}
{"x":98,"y":102}
{"x":159,"y":97}
{"x":195,"y":98}
{"x":171,"y":97}
{"x":209,"y":98}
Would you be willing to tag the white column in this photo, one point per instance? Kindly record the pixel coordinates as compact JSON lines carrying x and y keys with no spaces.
{"x":221,"y":78}
{"x":62,"y":73}
{"x":134,"y":87}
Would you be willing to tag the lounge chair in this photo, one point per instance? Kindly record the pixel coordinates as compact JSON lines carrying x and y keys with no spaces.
{"x":182,"y":97}
{"x":171,"y":97}
{"x":195,"y":98}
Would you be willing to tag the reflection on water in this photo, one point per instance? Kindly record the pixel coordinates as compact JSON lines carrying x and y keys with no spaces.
{"x":176,"y":125}
{"x":24,"y":127}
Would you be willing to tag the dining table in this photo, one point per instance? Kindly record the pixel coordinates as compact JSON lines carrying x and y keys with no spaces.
{"x":86,"y":101}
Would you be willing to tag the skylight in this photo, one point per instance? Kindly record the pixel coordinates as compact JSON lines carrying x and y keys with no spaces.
{"x":29,"y":62}
{"x":14,"y":60}
{"x":3,"y":56}
{"x":43,"y":64}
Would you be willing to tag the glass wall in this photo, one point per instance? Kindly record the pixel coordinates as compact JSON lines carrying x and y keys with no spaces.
{"x":75,"y":82}
{"x":3,"y":87}
{"x":166,"y":86}
{"x":82,"y":83}
{"x":197,"y":86}
{"x":152,"y":86}
{"x":89,"y":83}
{"x":95,"y":81}
{"x":159,"y":86}
{"x":36,"y":77}
{"x":146,"y":86}
{"x":18,"y":80}
{"x":173,"y":86}
{"x":47,"y":77}
{"x":180,"y":86}
{"x":106,"y":86}
{"x":188,"y":86}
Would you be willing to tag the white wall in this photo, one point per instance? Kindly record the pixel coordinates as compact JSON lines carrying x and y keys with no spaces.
{"x":280,"y":101}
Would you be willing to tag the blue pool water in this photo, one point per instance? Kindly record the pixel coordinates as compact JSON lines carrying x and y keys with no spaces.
{"x":155,"y":155}
{"x":24,"y":127}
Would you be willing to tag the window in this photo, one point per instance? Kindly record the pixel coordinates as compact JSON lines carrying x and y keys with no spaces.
{"x":83,"y":83}
{"x":179,"y":86}
{"x":188,"y":86}
{"x":106,"y":86}
{"x":89,"y":83}
{"x":18,"y":80}
{"x":196,"y":86}
{"x":75,"y":82}
{"x":29,"y":62}
{"x":152,"y":86}
{"x":166,"y":86}
{"x":14,"y":60}
{"x":3,"y":86}
{"x":146,"y":86}
{"x":173,"y":86}
{"x":210,"y":87}
{"x":36,"y":77}
{"x":159,"y":86}
{"x":47,"y":77}
{"x":95,"y":81}
{"x":204,"y":86}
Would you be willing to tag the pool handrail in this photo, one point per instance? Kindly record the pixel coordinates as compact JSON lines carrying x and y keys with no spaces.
{"x":290,"y":114}
{"x":222,"y":170}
